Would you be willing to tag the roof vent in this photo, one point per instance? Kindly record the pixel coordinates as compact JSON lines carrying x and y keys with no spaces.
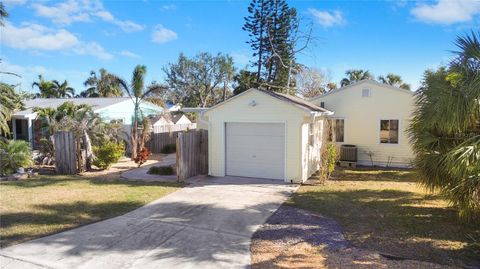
{"x":366,"y":93}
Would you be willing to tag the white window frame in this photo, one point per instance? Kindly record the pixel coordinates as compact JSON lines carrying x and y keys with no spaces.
{"x":334,"y":135}
{"x":369,"y":92}
{"x":379,"y":131}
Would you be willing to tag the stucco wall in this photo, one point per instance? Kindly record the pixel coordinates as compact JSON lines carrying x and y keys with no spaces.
{"x":267,"y":109}
{"x":362,"y":117}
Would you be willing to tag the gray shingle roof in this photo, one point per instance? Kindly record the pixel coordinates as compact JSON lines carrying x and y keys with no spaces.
{"x":96,"y":103}
{"x":295,"y":100}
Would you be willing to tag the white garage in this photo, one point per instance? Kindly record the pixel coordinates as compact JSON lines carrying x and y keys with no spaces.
{"x":264,"y":134}
{"x":255,"y":150}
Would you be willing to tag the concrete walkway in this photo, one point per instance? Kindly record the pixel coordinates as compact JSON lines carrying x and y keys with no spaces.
{"x":208,"y":224}
{"x":141,"y":172}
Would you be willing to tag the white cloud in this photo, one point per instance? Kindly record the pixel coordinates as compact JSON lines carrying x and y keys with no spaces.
{"x":14,"y":2}
{"x":328,"y":18}
{"x":168,"y":7}
{"x":129,"y":54}
{"x":447,"y":11}
{"x":163,"y":35}
{"x":71,"y":11}
{"x":35,"y":38}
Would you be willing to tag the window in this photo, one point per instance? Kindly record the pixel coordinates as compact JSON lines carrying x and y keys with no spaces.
{"x":366,"y":93}
{"x":322,"y":104}
{"x":389,"y":131}
{"x":336,"y":128}
{"x":311,"y":132}
{"x":339,"y":130}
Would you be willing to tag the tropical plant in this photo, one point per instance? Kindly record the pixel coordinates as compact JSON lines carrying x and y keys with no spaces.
{"x":3,"y":14}
{"x":394,"y":80}
{"x":10,"y":100}
{"x":445,"y":129}
{"x":355,"y":75}
{"x":107,"y":154}
{"x":330,"y":157}
{"x":13,"y":155}
{"x":139,"y":93}
{"x":46,"y":88}
{"x":104,"y":85}
{"x":62,"y":90}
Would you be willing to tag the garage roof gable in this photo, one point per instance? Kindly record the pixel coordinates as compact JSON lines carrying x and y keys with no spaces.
{"x":289,"y":99}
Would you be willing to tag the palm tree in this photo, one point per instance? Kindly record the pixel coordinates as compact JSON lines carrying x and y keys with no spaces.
{"x":354,"y":75}
{"x":10,"y":101}
{"x":46,"y":88}
{"x":62,"y":90}
{"x":3,"y":13}
{"x":445,"y":129}
{"x":394,"y":80}
{"x":107,"y":85}
{"x":139,"y":93}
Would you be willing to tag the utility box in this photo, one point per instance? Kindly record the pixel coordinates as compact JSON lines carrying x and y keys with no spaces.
{"x":348,"y":153}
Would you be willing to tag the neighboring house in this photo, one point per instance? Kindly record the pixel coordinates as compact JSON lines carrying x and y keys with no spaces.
{"x":264,"y":134}
{"x":26,"y":126}
{"x":374,"y":117}
{"x":174,"y":119}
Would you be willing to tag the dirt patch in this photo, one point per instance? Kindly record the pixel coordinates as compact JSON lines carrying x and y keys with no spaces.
{"x":294,"y":238}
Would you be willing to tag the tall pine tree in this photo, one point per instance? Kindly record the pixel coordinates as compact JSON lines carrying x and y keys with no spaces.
{"x":272,"y":25}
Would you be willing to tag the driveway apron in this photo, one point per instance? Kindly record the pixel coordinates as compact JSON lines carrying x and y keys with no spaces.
{"x":208,"y":224}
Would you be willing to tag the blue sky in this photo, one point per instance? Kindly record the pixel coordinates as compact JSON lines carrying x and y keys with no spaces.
{"x":68,"y":39}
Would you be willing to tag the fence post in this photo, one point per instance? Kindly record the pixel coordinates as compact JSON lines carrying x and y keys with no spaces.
{"x":65,"y":153}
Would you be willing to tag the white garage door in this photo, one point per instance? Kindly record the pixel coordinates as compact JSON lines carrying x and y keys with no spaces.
{"x":255,"y":150}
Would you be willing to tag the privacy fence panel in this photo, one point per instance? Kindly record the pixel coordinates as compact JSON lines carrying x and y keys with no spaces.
{"x":65,"y":153}
{"x":192,"y":154}
{"x":166,"y":134}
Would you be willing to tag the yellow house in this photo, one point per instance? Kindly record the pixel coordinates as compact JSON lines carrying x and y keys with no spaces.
{"x":264,"y":134}
{"x":374,"y":117}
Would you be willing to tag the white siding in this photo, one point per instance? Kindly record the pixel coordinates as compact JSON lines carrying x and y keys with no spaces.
{"x":267,"y":110}
{"x":362,"y":120}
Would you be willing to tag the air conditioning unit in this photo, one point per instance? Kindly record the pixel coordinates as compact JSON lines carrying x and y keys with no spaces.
{"x":348,"y":153}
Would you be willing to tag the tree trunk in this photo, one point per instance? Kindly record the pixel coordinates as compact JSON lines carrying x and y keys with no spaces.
{"x":89,"y":152}
{"x":134,"y":135}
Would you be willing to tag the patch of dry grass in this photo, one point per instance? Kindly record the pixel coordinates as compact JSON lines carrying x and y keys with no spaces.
{"x":388,"y":212}
{"x":50,"y":204}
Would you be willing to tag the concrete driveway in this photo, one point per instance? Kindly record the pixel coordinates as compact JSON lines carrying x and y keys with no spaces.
{"x":207,"y":224}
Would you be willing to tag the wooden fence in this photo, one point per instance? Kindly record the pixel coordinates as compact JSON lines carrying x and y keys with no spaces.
{"x":65,"y":153}
{"x":192,"y":154}
{"x":166,"y":134}
{"x":159,"y":140}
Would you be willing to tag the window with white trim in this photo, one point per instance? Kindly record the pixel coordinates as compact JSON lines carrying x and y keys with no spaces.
{"x":336,"y":130}
{"x":311,"y":134}
{"x":389,"y":131}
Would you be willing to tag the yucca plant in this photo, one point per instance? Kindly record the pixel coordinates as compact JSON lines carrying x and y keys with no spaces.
{"x":13,"y":155}
{"x":445,"y":130}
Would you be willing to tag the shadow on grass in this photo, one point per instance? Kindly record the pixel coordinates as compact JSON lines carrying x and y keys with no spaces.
{"x":376,"y":174}
{"x":44,"y":181}
{"x":400,"y":223}
{"x":66,"y":215}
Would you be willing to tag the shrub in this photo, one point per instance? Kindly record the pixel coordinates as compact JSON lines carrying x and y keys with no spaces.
{"x":46,"y":147}
{"x":170,"y":148}
{"x":329,"y":160}
{"x":13,"y":155}
{"x":161,"y":170}
{"x":107,"y":154}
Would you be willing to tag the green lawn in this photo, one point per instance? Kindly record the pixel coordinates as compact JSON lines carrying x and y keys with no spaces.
{"x":387,"y":211}
{"x":50,"y":204}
